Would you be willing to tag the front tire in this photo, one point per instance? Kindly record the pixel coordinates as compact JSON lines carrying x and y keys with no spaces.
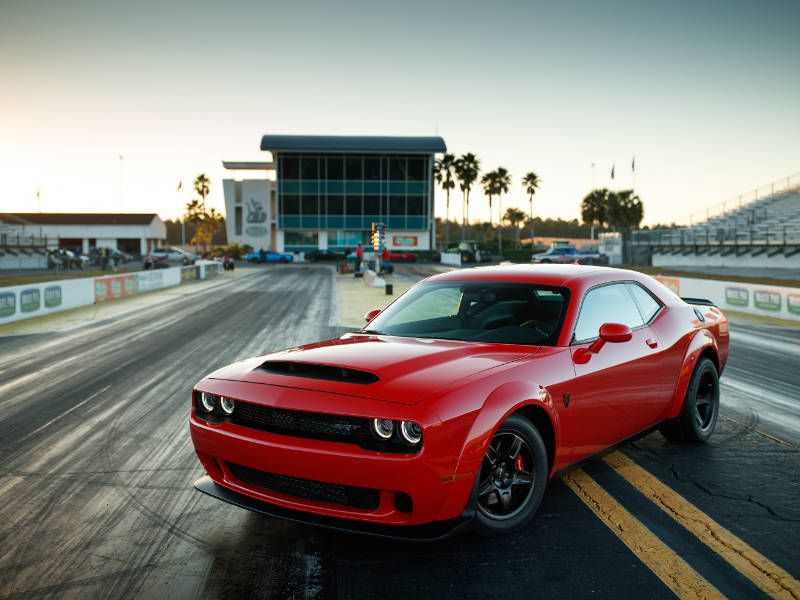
{"x":512,"y":478}
{"x":700,"y":410}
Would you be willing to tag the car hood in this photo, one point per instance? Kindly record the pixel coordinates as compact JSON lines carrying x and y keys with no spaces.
{"x":392,"y":369}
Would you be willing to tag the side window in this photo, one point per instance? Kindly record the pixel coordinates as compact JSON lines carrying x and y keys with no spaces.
{"x":606,"y":304}
{"x":648,"y":306}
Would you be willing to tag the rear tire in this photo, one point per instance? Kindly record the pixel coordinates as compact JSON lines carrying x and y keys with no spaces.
{"x":700,"y":410}
{"x":512,"y":478}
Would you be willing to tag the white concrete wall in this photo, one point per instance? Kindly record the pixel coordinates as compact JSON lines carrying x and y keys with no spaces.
{"x":766,"y":300}
{"x":452,"y":259}
{"x":17,"y":302}
{"x":37,"y":299}
{"x":731,"y":260}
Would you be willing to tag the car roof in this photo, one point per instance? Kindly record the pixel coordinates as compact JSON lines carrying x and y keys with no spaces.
{"x":545,"y":274}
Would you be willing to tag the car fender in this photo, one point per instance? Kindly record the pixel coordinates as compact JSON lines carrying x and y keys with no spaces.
{"x":503,"y":401}
{"x":701,"y":340}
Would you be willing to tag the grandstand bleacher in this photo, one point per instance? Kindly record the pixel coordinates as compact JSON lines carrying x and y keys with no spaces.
{"x":764,"y":232}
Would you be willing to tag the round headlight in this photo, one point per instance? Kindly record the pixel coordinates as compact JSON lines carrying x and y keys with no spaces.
{"x":383,"y":428}
{"x":411,"y":432}
{"x":208,"y":401}
{"x":227,"y":405}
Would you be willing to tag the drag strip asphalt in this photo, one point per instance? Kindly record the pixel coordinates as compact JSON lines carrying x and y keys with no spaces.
{"x":96,"y":472}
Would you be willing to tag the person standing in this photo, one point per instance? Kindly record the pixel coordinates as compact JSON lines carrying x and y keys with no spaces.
{"x":359,"y":257}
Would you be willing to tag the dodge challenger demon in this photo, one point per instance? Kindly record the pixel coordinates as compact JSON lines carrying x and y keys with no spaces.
{"x":455,"y":405}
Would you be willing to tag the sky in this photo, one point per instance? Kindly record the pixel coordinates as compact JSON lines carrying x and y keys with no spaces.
{"x":705,"y":95}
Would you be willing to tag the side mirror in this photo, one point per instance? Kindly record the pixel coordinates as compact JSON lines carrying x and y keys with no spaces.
{"x":614,"y":333}
{"x":370,"y":315}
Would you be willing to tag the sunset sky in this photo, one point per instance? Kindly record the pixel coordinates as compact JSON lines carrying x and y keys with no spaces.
{"x":705,"y":95}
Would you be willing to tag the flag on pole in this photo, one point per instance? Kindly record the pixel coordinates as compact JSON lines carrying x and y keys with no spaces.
{"x":633,"y":164}
{"x":612,"y":170}
{"x":180,"y":185}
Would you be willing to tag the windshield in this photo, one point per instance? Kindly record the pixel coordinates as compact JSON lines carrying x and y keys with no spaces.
{"x":477,"y":311}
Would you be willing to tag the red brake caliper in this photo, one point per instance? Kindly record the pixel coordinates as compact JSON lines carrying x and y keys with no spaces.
{"x":518,"y":464}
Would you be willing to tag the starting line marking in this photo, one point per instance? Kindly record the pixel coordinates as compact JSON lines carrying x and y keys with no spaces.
{"x":670,"y":568}
{"x":764,"y":573}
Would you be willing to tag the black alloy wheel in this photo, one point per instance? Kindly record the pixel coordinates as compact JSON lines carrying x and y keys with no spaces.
{"x":512,"y":478}
{"x":506,"y":481}
{"x":698,"y":417}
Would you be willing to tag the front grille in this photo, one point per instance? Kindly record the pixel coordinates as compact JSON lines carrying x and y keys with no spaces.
{"x":302,"y":424}
{"x":345,"y":495}
{"x":297,"y":423}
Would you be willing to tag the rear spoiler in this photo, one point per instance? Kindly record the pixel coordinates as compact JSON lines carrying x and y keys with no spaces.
{"x":698,"y":301}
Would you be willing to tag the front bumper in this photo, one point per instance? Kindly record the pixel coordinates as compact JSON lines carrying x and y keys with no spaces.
{"x":429,"y":532}
{"x":440,"y":498}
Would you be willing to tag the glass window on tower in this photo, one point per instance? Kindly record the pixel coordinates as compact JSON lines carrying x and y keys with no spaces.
{"x":372,"y":168}
{"x":289,"y":166}
{"x":354,"y":167}
{"x":309,"y":167}
{"x":335,"y":168}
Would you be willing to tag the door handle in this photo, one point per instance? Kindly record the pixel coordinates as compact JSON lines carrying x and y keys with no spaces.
{"x":651,"y":342}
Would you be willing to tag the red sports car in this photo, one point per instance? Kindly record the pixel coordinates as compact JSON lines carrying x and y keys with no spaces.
{"x":396,"y":256}
{"x":457,"y":403}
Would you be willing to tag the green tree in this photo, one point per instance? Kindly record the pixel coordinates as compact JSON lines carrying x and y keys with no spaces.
{"x":593,"y":208}
{"x":195,"y":213}
{"x":467,"y":169}
{"x":444,"y":172}
{"x":502,"y":183}
{"x":514,"y":216}
{"x":531,"y":183}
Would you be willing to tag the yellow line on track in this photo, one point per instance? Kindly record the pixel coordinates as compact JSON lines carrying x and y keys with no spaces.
{"x":764,"y":573}
{"x":670,"y":568}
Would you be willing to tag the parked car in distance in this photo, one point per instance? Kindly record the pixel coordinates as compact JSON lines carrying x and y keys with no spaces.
{"x":174,"y":255}
{"x":569,"y":255}
{"x":454,"y":406}
{"x":156,"y":262}
{"x":269,"y":256}
{"x":472,"y":252}
{"x":327,"y":254}
{"x":397,"y":256}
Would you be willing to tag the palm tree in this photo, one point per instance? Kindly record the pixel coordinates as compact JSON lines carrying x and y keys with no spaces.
{"x":594,"y":208}
{"x":624,"y":211}
{"x":502,"y":183}
{"x":467,"y":168}
{"x":195,"y":213}
{"x":201,"y":186}
{"x":531,"y":183}
{"x":443,"y":172}
{"x":489,"y":183}
{"x":514,"y":217}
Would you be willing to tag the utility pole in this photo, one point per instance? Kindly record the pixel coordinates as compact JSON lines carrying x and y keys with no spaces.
{"x":121,"y":193}
{"x":592,"y":178}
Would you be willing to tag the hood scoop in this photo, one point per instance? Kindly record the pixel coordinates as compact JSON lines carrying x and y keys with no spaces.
{"x":316,"y":371}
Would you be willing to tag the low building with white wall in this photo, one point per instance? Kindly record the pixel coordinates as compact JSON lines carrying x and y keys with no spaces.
{"x":133,"y":233}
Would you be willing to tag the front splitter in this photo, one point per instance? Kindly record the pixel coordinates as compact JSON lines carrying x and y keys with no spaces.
{"x":429,"y":532}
